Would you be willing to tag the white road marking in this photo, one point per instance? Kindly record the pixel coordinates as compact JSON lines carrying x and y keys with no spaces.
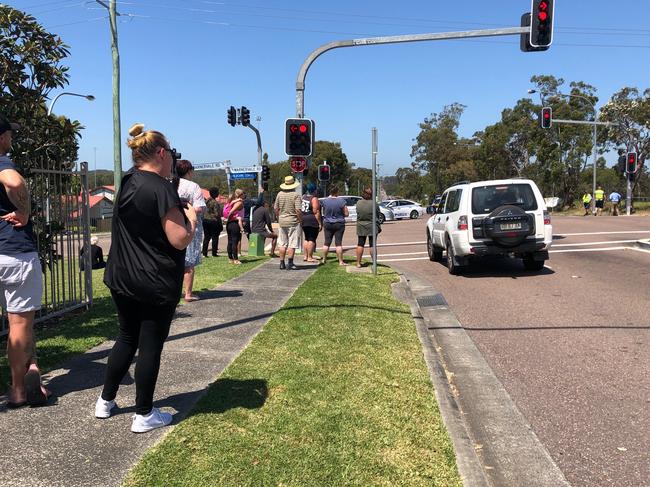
{"x":599,"y":233}
{"x":640,"y":250}
{"x":593,"y":243}
{"x":400,"y":260}
{"x":395,"y":255}
{"x":601,"y":249}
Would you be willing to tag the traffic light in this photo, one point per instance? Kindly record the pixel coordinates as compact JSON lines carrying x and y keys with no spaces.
{"x":232,"y":116}
{"x":298,"y":136}
{"x":631,"y":165}
{"x":323,"y":172}
{"x":546,"y":119}
{"x":266,"y":173}
{"x":245,"y":116}
{"x":541,"y":23}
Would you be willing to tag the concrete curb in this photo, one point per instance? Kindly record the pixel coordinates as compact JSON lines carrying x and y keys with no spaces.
{"x":494,"y":443}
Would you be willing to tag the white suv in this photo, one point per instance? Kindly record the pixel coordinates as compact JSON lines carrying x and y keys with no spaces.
{"x":503,"y":217}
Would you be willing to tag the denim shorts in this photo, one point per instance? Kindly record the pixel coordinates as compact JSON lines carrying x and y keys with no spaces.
{"x":21,"y":282}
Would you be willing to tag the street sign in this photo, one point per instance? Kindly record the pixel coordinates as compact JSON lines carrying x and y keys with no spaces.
{"x":298,"y":164}
{"x":243,"y":175}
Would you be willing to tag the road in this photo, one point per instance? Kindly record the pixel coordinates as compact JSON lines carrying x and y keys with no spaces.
{"x":569,"y":344}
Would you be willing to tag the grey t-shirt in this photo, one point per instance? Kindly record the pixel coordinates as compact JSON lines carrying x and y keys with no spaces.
{"x":332,"y":209}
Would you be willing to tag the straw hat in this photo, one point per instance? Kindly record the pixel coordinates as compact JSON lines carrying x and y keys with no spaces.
{"x":289,"y":183}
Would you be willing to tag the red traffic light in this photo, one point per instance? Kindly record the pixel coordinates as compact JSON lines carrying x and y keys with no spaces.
{"x":302,"y":128}
{"x":293,"y":128}
{"x":542,"y":16}
{"x":547,"y":118}
{"x":631,"y":167}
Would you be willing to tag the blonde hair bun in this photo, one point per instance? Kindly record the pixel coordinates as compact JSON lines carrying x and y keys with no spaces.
{"x":136,"y":130}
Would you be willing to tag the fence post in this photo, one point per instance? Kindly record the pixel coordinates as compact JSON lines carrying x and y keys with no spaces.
{"x":85,"y":203}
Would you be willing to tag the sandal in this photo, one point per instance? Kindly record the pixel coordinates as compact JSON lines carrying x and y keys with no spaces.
{"x":191,"y":298}
{"x":37,"y":395}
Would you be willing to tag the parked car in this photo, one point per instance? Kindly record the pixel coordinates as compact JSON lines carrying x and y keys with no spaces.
{"x":404,"y":208}
{"x":503,"y":217}
{"x":386,"y":214}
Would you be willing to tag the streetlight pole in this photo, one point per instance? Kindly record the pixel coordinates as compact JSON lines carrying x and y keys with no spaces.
{"x":87,"y":97}
{"x":593,"y":107}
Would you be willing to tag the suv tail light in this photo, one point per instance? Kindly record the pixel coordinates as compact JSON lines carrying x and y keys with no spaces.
{"x":547,"y":218}
{"x":462,"y":222}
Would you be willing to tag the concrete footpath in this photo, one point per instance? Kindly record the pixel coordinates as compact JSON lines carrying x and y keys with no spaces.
{"x":65,"y":445}
{"x":494,"y":444}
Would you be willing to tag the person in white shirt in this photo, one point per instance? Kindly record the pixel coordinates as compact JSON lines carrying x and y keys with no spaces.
{"x":191,"y":193}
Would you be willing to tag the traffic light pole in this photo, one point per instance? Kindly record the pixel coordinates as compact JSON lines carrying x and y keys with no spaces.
{"x":259,"y":155}
{"x":370,"y":41}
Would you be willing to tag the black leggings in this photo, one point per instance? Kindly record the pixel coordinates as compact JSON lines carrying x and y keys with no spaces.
{"x":234,"y":236}
{"x":143,"y":327}
{"x":361,"y":241}
{"x":335,"y":230}
{"x":211,"y":231}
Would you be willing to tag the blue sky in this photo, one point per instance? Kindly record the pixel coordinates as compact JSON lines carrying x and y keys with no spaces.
{"x":184,"y":62}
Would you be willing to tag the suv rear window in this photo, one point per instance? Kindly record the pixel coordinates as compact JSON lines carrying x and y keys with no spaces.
{"x":486,"y":199}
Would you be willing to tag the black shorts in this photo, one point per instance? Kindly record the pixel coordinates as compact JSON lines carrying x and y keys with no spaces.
{"x":311,"y":233}
{"x":334,"y":230}
{"x":361,"y":240}
{"x":600,"y":203}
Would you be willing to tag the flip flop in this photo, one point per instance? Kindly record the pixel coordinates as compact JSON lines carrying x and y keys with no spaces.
{"x":16,"y":405}
{"x":34,"y":390}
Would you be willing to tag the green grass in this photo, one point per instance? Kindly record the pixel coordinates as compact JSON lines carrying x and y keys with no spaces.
{"x":78,"y":332}
{"x":333,"y":391}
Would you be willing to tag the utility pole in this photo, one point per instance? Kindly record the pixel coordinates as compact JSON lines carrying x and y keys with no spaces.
{"x":117,"y":130}
{"x":95,"y":149}
{"x":374,"y":201}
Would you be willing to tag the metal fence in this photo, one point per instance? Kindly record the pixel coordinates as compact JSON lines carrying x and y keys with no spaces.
{"x":61,"y":219}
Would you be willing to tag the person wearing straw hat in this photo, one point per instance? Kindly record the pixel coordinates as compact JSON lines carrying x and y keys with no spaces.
{"x":288,"y":208}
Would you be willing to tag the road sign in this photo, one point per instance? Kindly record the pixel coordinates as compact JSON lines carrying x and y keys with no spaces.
{"x":243,"y":175}
{"x":298,"y":164}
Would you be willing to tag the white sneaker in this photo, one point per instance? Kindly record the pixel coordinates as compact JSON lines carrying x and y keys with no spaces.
{"x":155,"y":419}
{"x":103,"y":408}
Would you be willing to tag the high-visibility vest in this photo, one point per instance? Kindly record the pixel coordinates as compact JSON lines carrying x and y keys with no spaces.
{"x":599,"y":194}
{"x":586,"y":198}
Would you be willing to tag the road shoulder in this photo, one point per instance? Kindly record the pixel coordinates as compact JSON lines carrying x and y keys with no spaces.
{"x":494,"y":443}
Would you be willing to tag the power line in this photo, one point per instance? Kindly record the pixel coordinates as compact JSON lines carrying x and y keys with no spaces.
{"x":355,"y":34}
{"x":445,"y":23}
{"x":78,"y":22}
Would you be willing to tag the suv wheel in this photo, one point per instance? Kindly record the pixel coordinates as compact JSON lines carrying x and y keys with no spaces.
{"x":435,"y":254}
{"x":530,"y":264}
{"x":381,"y":218}
{"x":453,"y":268}
{"x":414,"y":214}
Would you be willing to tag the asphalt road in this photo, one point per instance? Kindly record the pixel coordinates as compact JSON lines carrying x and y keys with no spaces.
{"x":569,"y":344}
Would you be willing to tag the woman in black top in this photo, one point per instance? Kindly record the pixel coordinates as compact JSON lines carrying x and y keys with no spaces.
{"x":311,"y":222}
{"x":144,"y":272}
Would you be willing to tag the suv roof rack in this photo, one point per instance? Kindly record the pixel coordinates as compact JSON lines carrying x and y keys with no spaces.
{"x":460,"y":182}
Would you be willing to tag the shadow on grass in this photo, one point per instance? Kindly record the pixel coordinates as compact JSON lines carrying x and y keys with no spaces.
{"x":59,"y":339}
{"x":226,"y":394}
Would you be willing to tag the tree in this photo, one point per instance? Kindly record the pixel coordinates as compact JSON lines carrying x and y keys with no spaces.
{"x":435,"y":148}
{"x":30,"y":67}
{"x":340,"y":169}
{"x":629,"y":111}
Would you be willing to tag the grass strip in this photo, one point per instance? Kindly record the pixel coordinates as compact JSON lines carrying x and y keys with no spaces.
{"x":77,"y":333}
{"x":333,"y":391}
